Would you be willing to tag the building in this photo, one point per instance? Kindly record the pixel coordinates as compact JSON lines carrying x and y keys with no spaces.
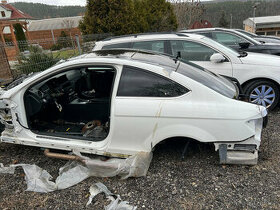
{"x":269,"y":25}
{"x":50,"y":29}
{"x":9,"y":16}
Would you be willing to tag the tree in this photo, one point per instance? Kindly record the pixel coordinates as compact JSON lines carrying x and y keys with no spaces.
{"x":223,"y":21}
{"x":20,"y":37}
{"x":160,"y":15}
{"x":128,"y":16}
{"x":109,"y":16}
{"x":187,"y":12}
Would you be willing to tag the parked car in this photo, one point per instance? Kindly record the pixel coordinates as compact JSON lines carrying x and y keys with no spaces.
{"x":121,"y":102}
{"x":259,"y":74}
{"x":237,"y":40}
{"x":261,"y":38}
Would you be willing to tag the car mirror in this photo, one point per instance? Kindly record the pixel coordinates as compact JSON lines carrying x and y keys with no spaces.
{"x":217,"y":58}
{"x":244,"y":45}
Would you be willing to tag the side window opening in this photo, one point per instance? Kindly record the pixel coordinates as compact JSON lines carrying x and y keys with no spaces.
{"x":192,"y":51}
{"x":157,"y":46}
{"x":119,"y":45}
{"x":73,"y":103}
{"x":136,"y":82}
{"x":228,"y":39}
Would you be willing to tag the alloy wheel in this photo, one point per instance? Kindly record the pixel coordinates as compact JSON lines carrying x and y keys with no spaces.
{"x":263,"y":95}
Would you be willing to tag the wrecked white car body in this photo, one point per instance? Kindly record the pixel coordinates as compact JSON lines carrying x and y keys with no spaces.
{"x":120,"y":103}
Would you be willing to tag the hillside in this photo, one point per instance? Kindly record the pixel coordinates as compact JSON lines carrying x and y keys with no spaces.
{"x":239,"y":10}
{"x":48,"y":11}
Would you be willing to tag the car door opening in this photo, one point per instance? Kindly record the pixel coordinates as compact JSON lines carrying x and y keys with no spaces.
{"x":74,"y":103}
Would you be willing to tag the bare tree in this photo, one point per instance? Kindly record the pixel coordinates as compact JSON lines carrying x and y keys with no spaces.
{"x":187,"y":11}
{"x":68,"y":24}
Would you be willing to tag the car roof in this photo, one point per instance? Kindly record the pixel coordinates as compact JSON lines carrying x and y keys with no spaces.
{"x":220,"y":29}
{"x":134,"y":37}
{"x":205,"y":29}
{"x":143,"y":56}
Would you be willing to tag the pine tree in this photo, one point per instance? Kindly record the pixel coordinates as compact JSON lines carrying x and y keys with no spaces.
{"x":223,"y":21}
{"x":120,"y":17}
{"x":109,"y":16}
{"x":160,"y":15}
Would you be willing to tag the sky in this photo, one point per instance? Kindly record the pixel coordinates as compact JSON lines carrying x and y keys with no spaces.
{"x":58,"y":2}
{"x":54,"y":2}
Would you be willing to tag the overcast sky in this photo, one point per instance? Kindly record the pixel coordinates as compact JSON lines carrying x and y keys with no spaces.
{"x":58,"y":2}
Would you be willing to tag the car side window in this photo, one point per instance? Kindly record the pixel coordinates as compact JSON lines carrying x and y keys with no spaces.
{"x":191,"y":51}
{"x":157,"y":46}
{"x":136,"y":82}
{"x":227,"y":39}
{"x":119,"y":45}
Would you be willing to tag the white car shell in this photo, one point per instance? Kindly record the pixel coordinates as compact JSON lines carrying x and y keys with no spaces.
{"x":246,"y":68}
{"x":138,"y":124}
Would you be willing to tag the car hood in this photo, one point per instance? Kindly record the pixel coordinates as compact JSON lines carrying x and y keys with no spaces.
{"x":261,"y":59}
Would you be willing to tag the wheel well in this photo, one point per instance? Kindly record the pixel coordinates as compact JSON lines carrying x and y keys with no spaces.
{"x":175,"y":139}
{"x":257,"y":79}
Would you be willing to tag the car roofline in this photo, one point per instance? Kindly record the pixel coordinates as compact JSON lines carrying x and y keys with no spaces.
{"x":143,"y":34}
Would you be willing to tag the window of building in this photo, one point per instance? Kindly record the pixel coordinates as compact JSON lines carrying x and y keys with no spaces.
{"x":271,"y":33}
{"x":3,"y":14}
{"x":137,"y":82}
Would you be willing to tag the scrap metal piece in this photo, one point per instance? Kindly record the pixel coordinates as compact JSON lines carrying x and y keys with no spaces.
{"x":223,"y":153}
{"x":94,"y":129}
{"x":61,"y":156}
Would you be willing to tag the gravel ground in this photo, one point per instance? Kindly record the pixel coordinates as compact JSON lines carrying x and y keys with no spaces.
{"x":198,"y":182}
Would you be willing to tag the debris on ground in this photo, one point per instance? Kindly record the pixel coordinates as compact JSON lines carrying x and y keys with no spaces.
{"x":116,"y":203}
{"x":73,"y":172}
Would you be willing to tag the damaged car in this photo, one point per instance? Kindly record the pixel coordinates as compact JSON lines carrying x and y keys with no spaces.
{"x":122,"y":102}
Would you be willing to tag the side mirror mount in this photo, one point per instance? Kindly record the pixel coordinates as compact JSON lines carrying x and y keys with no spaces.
{"x":217,"y":58}
{"x":244,"y":45}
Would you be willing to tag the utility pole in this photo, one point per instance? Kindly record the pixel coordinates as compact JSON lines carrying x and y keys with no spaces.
{"x":254,"y":15}
{"x":230,"y":20}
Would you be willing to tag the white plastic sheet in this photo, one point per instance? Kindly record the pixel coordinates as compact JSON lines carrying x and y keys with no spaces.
{"x":116,"y":203}
{"x":134,"y":166}
{"x":39,"y":180}
{"x":6,"y":170}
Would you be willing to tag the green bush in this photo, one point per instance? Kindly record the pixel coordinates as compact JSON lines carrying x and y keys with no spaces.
{"x":63,"y":41}
{"x":36,"y":61}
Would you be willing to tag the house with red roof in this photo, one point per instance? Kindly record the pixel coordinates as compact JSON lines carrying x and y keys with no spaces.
{"x":9,"y":12}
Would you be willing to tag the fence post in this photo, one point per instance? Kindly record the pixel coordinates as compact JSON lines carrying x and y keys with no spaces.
{"x":78,"y":43}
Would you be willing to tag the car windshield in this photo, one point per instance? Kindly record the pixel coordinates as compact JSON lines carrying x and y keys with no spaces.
{"x":247,"y":33}
{"x":207,"y":78}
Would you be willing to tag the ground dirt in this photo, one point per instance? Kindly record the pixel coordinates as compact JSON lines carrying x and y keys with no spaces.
{"x":197,"y":182}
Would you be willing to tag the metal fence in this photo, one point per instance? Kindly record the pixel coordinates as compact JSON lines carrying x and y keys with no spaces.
{"x":25,"y":57}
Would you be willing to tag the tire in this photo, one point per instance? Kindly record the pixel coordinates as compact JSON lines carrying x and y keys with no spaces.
{"x":263,"y":92}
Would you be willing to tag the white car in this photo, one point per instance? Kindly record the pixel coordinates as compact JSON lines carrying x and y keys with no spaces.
{"x":119,"y":103}
{"x":259,"y":74}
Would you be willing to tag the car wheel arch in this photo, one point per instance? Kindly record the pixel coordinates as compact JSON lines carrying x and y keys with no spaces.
{"x":248,"y":84}
{"x":175,"y":138}
{"x":244,"y":84}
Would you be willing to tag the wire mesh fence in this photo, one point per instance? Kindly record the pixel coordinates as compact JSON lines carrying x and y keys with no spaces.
{"x":24,"y":57}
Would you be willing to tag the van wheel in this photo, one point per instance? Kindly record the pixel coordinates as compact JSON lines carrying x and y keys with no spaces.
{"x":262,"y":92}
